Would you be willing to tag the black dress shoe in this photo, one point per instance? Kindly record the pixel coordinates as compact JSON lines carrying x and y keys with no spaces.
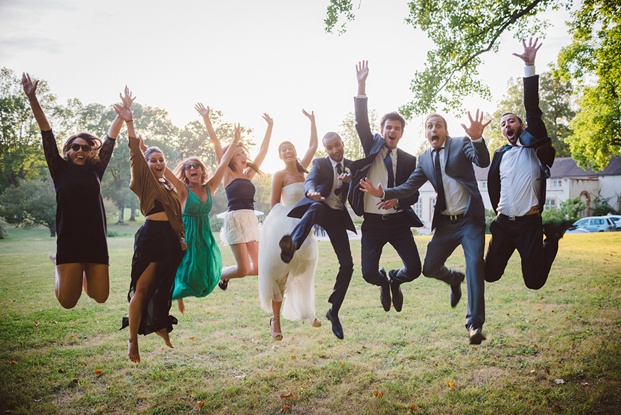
{"x":456,"y":289}
{"x":337,"y":329}
{"x":395,"y":289}
{"x":385,"y":291}
{"x":476,"y":335}
{"x":287,"y":247}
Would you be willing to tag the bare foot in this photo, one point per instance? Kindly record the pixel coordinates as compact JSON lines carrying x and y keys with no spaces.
{"x":316,"y":322}
{"x":163,"y":333}
{"x":52,"y":258}
{"x":134,"y":354}
{"x":181,"y":306}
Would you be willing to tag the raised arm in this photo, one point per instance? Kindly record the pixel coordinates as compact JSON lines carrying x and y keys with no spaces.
{"x":277,"y":187}
{"x":530,"y":51}
{"x":30,"y":90}
{"x":127,"y":100}
{"x":204,"y":112}
{"x":264,"y":146}
{"x":475,"y":149}
{"x":362,"y":72}
{"x":363,"y":128}
{"x":312,"y":145}
{"x":223,"y":166}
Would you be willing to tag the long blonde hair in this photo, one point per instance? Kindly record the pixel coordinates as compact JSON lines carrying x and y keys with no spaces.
{"x":249,"y":162}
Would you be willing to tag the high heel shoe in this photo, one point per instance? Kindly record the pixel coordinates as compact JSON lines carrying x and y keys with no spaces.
{"x":275,"y":334}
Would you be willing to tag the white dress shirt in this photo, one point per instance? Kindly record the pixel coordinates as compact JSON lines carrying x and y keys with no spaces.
{"x":456,"y":194}
{"x":379,"y":174}
{"x":333,"y":200}
{"x":519,"y":187}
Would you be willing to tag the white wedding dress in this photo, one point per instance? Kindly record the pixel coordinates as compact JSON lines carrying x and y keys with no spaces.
{"x":296,"y":279}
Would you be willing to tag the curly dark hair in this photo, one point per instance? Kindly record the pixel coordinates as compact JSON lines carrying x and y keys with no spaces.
{"x":92,"y":158}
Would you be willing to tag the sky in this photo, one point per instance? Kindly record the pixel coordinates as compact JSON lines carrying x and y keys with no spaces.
{"x":242,"y":57}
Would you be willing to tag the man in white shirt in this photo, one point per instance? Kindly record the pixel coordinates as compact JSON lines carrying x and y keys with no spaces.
{"x":517,"y":186}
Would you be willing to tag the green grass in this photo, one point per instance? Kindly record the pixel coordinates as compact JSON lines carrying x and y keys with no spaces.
{"x":224,"y":357}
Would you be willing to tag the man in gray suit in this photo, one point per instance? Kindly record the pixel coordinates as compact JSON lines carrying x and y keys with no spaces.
{"x":459,"y":215}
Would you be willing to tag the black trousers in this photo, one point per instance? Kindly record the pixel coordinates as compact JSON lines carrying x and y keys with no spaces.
{"x":332,"y":221}
{"x":377,"y":232}
{"x":526,"y":235}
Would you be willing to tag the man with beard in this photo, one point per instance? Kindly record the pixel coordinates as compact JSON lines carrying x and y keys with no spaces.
{"x":459,"y":215}
{"x":384,"y":221}
{"x":517,"y":189}
{"x":326,"y":188}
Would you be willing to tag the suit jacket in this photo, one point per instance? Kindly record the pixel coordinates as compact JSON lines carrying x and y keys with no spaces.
{"x":321,"y":179}
{"x":534,"y":136}
{"x":372,"y":144}
{"x":459,"y":154}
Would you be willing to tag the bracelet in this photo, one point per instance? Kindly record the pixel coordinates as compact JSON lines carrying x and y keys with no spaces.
{"x":130,"y":121}
{"x":530,"y":63}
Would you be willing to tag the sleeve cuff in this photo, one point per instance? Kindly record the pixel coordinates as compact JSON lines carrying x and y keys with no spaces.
{"x":360,"y":97}
{"x":529,"y":71}
{"x":478,"y":140}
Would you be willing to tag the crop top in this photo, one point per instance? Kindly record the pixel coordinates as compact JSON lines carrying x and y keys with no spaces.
{"x":240,"y":194}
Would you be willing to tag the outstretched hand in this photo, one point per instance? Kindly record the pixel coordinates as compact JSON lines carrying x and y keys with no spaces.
{"x":30,"y":89}
{"x":124,"y":112}
{"x":530,"y":51}
{"x":475,"y":131}
{"x":367,"y":187}
{"x":202,"y":110}
{"x":362,"y":71}
{"x":127,"y":98}
{"x":310,"y":116}
{"x":315,"y":195}
{"x":269,"y":119}
{"x":236,"y":134}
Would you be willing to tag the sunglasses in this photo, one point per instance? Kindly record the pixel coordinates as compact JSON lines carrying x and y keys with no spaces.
{"x":192,"y":166}
{"x":85,"y":147}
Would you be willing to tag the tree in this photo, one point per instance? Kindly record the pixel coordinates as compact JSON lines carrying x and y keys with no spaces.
{"x":21,"y":151}
{"x":464,"y":31}
{"x":593,"y":61}
{"x":568,"y":210}
{"x":31,"y":203}
{"x":555,"y":101}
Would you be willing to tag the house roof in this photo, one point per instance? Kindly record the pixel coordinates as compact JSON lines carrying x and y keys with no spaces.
{"x":567,"y":167}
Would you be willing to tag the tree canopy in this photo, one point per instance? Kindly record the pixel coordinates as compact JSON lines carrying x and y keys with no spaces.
{"x":463,"y":31}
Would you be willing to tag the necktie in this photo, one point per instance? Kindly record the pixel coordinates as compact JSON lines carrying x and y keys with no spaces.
{"x":339,"y":170}
{"x":441,"y":202}
{"x":391,"y":175}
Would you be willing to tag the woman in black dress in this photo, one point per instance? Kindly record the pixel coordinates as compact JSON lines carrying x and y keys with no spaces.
{"x":81,"y":247}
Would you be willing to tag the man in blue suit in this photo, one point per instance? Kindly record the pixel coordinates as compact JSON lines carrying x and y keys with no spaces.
{"x":326,"y":188}
{"x":384,"y":221}
{"x":459,"y":215}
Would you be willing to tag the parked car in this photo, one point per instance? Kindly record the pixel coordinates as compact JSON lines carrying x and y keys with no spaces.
{"x":594,"y":224}
{"x":617,"y":220}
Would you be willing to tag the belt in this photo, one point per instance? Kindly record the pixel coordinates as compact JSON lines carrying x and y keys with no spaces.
{"x":374,"y":217}
{"x":533,"y":211}
{"x":518,"y":218}
{"x":452,"y":218}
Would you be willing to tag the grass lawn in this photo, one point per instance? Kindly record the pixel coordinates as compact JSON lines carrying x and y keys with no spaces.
{"x":555,"y":350}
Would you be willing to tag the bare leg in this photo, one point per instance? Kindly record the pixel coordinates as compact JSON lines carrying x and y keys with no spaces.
{"x":97,"y":281}
{"x":163,"y":333}
{"x":243,"y":267}
{"x":68,"y":283}
{"x":253,"y":252}
{"x":181,"y":306}
{"x":275,"y":322}
{"x":145,"y":281}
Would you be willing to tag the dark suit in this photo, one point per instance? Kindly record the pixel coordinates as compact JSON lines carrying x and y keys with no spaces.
{"x":467,"y":230}
{"x":378,"y":230}
{"x":523,"y":233}
{"x":336,"y":222}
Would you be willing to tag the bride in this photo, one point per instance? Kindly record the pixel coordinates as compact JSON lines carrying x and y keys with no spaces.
{"x":294,"y":281}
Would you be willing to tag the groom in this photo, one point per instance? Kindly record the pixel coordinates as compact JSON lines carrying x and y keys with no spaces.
{"x":326,"y":188}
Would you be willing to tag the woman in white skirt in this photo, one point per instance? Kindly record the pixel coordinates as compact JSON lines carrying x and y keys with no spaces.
{"x":241,"y":228}
{"x":294,"y":281}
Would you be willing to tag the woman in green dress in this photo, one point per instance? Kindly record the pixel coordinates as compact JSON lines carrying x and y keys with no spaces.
{"x":201,"y":267}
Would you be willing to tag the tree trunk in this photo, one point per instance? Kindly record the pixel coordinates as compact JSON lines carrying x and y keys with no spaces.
{"x":52,"y":231}
{"x":120,"y":213}
{"x":132,"y":210}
